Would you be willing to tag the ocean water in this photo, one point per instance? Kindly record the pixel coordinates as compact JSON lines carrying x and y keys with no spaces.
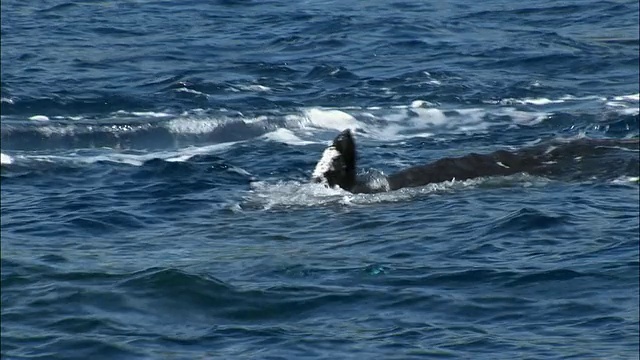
{"x":155,"y":187}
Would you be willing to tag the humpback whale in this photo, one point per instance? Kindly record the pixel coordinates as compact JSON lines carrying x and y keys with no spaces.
{"x":337,"y":166}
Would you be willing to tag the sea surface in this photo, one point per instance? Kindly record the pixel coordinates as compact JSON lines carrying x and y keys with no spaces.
{"x":155,"y":191}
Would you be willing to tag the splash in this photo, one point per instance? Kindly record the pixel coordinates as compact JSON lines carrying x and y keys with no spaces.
{"x":295,"y":194}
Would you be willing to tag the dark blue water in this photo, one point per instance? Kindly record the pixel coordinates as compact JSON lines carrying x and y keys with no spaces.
{"x":155,"y":166}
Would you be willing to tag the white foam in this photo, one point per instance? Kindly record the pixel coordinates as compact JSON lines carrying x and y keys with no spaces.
{"x":623,"y":108}
{"x":256,"y":119}
{"x":5,"y":159}
{"x":420,"y":103}
{"x":616,"y":104}
{"x":625,"y":180}
{"x":6,"y":100}
{"x":151,"y":114}
{"x":188,"y":153}
{"x":418,"y":119}
{"x":294,"y":194}
{"x":330,"y":119}
{"x":39,"y":118}
{"x":523,"y":117}
{"x":580,"y":98}
{"x":193,"y":126}
{"x":256,"y":88}
{"x":546,"y":101}
{"x":239,"y":170}
{"x":625,"y":104}
{"x":109,"y":155}
{"x":632,"y":97}
{"x":57,"y":130}
{"x":628,"y":111}
{"x":530,"y":101}
{"x":430,"y":116}
{"x":285,"y":136}
{"x":191,"y":91}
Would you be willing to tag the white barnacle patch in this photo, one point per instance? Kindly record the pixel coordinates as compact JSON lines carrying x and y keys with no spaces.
{"x":501,"y":164}
{"x":326,"y":162}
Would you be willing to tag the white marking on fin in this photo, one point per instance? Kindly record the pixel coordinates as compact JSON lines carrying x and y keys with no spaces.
{"x":326,"y":162}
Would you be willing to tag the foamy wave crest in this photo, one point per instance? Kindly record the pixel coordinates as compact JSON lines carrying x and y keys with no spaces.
{"x":541,"y":101}
{"x":179,"y":155}
{"x":193,"y":126}
{"x":190,"y":91}
{"x":39,"y":118}
{"x":632,"y":97}
{"x":419,"y":118}
{"x":330,"y":119}
{"x":531,"y":101}
{"x":188,"y":153}
{"x":625,"y":104}
{"x":285,"y":136}
{"x":626,"y":180}
{"x":622,"y":104}
{"x":151,"y":114}
{"x":254,"y":88}
{"x":5,"y":159}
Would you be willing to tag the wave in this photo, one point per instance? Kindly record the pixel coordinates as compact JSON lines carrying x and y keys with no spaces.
{"x":39,"y":162}
{"x":155,"y":130}
{"x":134,"y":137}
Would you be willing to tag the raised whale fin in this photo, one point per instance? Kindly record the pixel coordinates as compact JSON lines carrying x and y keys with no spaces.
{"x":338,"y":163}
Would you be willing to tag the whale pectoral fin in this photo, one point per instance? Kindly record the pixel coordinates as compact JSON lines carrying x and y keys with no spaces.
{"x":337,"y":166}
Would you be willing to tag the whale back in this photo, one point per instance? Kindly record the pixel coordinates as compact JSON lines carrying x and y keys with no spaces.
{"x":337,"y":166}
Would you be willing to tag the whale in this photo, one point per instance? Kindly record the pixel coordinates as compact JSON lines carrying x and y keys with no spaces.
{"x":581,"y":158}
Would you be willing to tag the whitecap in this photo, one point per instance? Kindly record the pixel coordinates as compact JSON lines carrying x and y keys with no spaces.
{"x":631,"y":97}
{"x":193,"y":126}
{"x":39,"y":118}
{"x":5,"y":159}
{"x":179,"y":155}
{"x":190,"y":91}
{"x":331,"y":119}
{"x":285,"y":136}
{"x":255,"y":87}
{"x":150,"y":114}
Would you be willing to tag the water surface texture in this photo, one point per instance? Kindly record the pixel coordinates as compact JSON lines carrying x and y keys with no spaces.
{"x":156,"y":158}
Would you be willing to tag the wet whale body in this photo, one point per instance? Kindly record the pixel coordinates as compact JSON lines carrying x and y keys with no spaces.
{"x":576,"y":159}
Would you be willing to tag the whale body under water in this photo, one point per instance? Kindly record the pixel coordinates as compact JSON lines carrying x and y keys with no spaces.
{"x":569,"y":159}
